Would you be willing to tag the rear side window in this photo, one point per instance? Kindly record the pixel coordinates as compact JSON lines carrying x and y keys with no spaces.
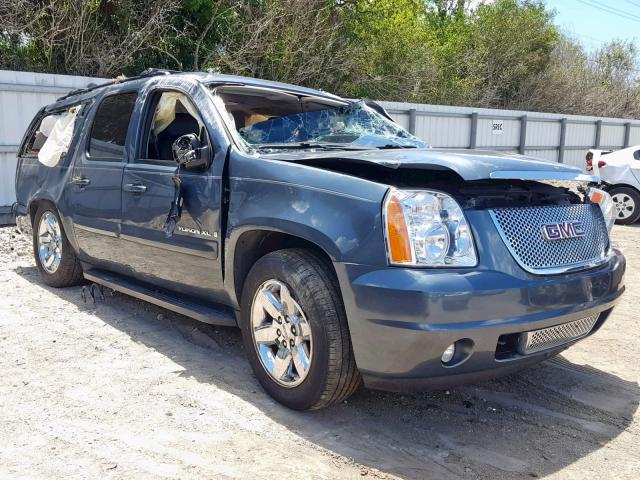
{"x":36,"y":139}
{"x":110,"y":125}
{"x":51,"y":135}
{"x":636,"y":154}
{"x":174,"y":115}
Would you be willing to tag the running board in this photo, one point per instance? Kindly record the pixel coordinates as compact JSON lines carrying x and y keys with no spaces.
{"x":215,"y":315}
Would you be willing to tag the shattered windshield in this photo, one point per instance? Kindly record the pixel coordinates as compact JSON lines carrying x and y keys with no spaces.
{"x":270,"y":119}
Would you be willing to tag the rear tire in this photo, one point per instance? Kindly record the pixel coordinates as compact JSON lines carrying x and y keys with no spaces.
{"x":54,"y":255}
{"x":626,"y":203}
{"x":305,"y":287}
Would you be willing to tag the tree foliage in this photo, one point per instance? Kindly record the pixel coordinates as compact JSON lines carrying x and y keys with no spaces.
{"x":83,"y":37}
{"x":504,"y":53}
{"x":484,"y":57}
{"x":285,"y":40}
{"x":391,"y":51}
{"x":601,"y":83}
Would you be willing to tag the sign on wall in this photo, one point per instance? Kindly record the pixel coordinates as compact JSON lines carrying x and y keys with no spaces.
{"x":497,"y":126}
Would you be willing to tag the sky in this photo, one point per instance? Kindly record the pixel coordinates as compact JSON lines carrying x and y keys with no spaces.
{"x":594,"y":22}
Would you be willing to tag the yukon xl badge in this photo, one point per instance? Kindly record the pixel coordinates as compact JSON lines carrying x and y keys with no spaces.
{"x":195,"y":231}
{"x":557,"y":231}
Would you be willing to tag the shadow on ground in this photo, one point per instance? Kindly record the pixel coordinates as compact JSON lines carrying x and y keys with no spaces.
{"x":526,"y":425}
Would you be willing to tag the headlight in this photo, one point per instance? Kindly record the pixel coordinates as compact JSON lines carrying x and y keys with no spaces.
{"x":426,"y":228}
{"x":603,"y":199}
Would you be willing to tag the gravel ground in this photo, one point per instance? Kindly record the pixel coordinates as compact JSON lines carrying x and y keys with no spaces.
{"x":124,"y":389}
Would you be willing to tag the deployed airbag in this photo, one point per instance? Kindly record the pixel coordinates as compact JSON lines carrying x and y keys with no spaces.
{"x":58,"y":138}
{"x":166,"y":111}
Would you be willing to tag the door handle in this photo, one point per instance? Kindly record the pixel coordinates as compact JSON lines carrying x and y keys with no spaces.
{"x":135,"y":188}
{"x":80,"y":181}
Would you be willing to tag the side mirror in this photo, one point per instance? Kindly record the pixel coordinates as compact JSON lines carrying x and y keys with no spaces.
{"x":189,"y":153}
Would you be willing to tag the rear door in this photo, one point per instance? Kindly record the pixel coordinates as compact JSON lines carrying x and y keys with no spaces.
{"x":95,"y":193}
{"x":189,"y":260}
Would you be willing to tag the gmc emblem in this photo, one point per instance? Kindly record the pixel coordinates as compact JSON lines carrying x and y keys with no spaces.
{"x":557,"y":231}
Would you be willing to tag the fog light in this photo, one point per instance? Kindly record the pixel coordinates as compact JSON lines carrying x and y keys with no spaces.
{"x":449,"y":353}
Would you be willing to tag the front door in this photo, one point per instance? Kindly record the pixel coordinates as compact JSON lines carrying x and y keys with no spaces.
{"x":188,"y":260}
{"x":95,"y":190}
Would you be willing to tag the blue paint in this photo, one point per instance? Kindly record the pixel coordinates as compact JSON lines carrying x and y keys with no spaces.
{"x":400,"y":319}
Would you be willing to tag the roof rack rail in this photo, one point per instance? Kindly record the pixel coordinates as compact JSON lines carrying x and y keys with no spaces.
{"x":149,"y":72}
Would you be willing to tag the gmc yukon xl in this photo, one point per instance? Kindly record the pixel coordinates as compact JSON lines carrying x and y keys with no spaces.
{"x":345,"y":248}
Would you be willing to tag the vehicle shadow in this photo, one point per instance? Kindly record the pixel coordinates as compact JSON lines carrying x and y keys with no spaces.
{"x":526,"y":425}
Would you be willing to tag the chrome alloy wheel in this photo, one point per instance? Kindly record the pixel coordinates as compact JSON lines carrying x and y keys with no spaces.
{"x":49,"y":242}
{"x":624,"y":204}
{"x":281,"y":334}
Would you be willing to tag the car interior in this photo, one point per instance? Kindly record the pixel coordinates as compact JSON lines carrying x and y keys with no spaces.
{"x":174,"y":116}
{"x":266,"y":115}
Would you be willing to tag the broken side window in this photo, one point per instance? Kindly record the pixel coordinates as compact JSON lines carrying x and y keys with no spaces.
{"x":171,"y":115}
{"x":50,"y":140}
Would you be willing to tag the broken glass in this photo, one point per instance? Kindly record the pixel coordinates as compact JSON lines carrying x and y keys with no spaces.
{"x":266,"y":119}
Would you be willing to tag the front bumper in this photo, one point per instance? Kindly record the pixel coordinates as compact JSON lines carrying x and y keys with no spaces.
{"x":401,"y":319}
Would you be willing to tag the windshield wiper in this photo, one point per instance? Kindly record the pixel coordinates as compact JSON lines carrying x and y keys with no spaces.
{"x":305,"y":145}
{"x":390,"y":146}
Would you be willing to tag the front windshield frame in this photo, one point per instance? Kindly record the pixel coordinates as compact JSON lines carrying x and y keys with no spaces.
{"x":407,"y":140}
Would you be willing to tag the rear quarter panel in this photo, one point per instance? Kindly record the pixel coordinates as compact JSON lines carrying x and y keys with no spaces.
{"x":621,"y":168}
{"x":36,"y":181}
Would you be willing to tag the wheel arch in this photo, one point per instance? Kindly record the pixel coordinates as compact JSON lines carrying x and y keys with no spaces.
{"x":622,"y":185}
{"x":253,"y":244}
{"x":634,"y":216}
{"x":67,"y":225}
{"x":35,"y":203}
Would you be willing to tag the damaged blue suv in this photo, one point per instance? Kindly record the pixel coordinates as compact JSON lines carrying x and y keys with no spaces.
{"x":346,"y":249}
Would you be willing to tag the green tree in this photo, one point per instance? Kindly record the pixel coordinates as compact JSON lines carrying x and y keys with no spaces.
{"x":391,"y":49}
{"x":603,"y":83}
{"x":83,"y":37}
{"x":505,"y":54}
{"x":200,"y":27}
{"x":293,"y":41}
{"x":484,"y":57}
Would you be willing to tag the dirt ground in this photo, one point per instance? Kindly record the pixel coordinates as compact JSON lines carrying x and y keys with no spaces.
{"x":127,"y":390}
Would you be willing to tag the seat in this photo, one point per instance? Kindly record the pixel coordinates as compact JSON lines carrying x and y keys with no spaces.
{"x":183,"y":124}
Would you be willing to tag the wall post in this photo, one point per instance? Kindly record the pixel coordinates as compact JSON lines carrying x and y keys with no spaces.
{"x":412,"y":121}
{"x":598,"y":133}
{"x":563,"y":140}
{"x":523,"y":135}
{"x":473,"y":137}
{"x":627,"y":134}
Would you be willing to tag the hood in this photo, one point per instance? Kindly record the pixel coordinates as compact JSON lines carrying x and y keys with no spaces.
{"x":468,"y":164}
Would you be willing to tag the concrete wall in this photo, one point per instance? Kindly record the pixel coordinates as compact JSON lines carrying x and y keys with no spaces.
{"x":22,"y":94}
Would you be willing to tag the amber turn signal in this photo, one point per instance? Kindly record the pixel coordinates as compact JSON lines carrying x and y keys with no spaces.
{"x":597,"y":196}
{"x":397,"y":233}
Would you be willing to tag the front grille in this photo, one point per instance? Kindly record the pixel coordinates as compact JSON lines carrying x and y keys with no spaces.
{"x":521,"y":229}
{"x":537,"y":340}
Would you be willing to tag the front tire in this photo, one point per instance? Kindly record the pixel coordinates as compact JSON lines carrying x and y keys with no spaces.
{"x":626,"y":202}
{"x":295,"y":332}
{"x":54,"y":255}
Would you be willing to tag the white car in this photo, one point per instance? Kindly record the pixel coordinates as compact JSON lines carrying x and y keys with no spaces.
{"x":620,"y":174}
